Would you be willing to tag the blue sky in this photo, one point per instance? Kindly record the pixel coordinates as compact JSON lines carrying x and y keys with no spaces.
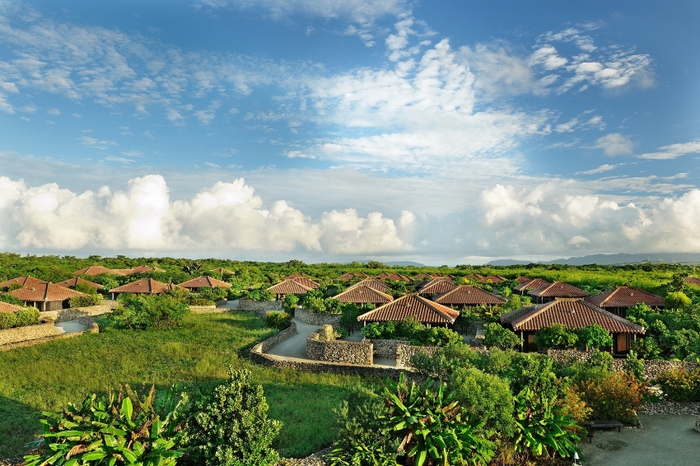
{"x":444,"y":132}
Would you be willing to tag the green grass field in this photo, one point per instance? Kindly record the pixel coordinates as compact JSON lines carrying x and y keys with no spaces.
{"x":193,"y":356}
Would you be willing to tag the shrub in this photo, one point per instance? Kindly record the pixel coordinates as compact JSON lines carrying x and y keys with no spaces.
{"x":7,"y":320}
{"x":85,"y":288}
{"x":315,"y":304}
{"x":634,"y":366}
{"x":148,"y":311}
{"x":444,"y":361}
{"x":495,"y":335}
{"x":7,"y":298}
{"x":278,"y":320}
{"x":231,"y":427}
{"x":440,"y":336}
{"x":87,"y":300}
{"x":555,"y":336}
{"x":27,"y":316}
{"x":677,"y":300}
{"x":348,"y":319}
{"x":290,"y":302}
{"x":533,"y":371}
{"x":647,"y":348}
{"x":122,"y":427}
{"x":681,"y":384}
{"x":612,"y":396}
{"x":595,"y":336}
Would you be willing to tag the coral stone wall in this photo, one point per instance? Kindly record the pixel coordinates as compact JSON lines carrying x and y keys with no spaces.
{"x":311,"y":318}
{"x":386,"y":349}
{"x":697,"y":424}
{"x":30,"y":332}
{"x":212,"y":309}
{"x":350,"y":352}
{"x":673,"y":408}
{"x":404,"y":353}
{"x":64,"y":315}
{"x":276,"y":339}
{"x":245,"y":304}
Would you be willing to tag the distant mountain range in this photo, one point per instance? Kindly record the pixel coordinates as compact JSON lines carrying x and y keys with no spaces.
{"x":404,"y":264}
{"x":612,"y":259}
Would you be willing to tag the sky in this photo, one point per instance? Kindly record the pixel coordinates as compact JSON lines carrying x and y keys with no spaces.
{"x":441,"y":132}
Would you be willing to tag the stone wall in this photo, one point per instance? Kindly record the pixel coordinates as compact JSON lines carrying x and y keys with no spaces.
{"x":404,"y":353}
{"x":245,"y":304}
{"x":674,"y":408}
{"x":64,"y":315}
{"x":697,"y":424}
{"x":207,"y":309}
{"x":29,"y":332}
{"x":386,"y":349}
{"x":311,"y":318}
{"x":652,"y":368}
{"x":276,"y":339}
{"x":351,"y":352}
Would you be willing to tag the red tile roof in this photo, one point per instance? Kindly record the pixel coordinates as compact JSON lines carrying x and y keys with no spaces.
{"x":532,"y":285}
{"x":139,"y":269}
{"x":374,"y":284}
{"x":204,"y":282}
{"x":24,"y":281}
{"x":523,"y":279}
{"x":473,"y":276}
{"x":558,"y":290}
{"x":411,"y":306}
{"x":97,"y":270}
{"x":351,"y":276}
{"x":289,"y":287}
{"x":7,"y":307}
{"x":306,"y":282}
{"x":145,"y":285}
{"x":361,"y":294}
{"x":493,"y":279}
{"x":44,"y":292}
{"x":624,"y":296}
{"x":692,"y":281}
{"x":394,"y":277}
{"x":73,"y":282}
{"x":468,"y":295}
{"x":573,"y":313}
{"x":222,"y":271}
{"x":436,"y":286}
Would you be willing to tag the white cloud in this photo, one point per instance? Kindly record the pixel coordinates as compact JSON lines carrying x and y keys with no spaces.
{"x":673,"y":151}
{"x":54,"y":111}
{"x":601,"y":169}
{"x":96,"y":143}
{"x":614,"y":144}
{"x":567,"y":127}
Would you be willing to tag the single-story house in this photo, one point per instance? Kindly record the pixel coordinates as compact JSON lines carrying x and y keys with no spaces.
{"x":22,"y":281}
{"x":75,"y":281}
{"x":288,"y":287}
{"x":692,"y":281}
{"x":346,"y":277}
{"x":7,"y":307}
{"x":523,"y":279}
{"x":374,"y":284}
{"x":473,"y":277}
{"x":532,"y":284}
{"x":574,"y":313}
{"x":493,"y":279}
{"x":436,"y":286}
{"x":46,"y":296}
{"x":204,"y":282}
{"x":412,"y":306}
{"x":621,"y":298}
{"x":468,"y":295}
{"x":94,"y":270}
{"x":304,"y":281}
{"x":140,"y":269}
{"x":393,"y":277}
{"x":143,"y":286}
{"x":362,"y":294}
{"x":556,"y":290}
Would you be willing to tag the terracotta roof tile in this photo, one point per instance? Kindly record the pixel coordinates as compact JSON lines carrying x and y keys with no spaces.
{"x":468,"y":295}
{"x":374,"y":284}
{"x":45,"y":292}
{"x":436,"y":286}
{"x":145,"y":285}
{"x":361,"y":294}
{"x":493,"y":279}
{"x":306,"y":282}
{"x":222,"y":271}
{"x":532,"y":284}
{"x":523,"y":279}
{"x":573,"y":313}
{"x":75,"y":281}
{"x":351,"y":276}
{"x":473,"y":276}
{"x":204,"y":282}
{"x":24,"y":281}
{"x":692,"y":280}
{"x":413,"y":306}
{"x":97,"y":270}
{"x":7,"y":307}
{"x":624,"y":296}
{"x":394,"y":277}
{"x":289,"y":287}
{"x":558,"y":290}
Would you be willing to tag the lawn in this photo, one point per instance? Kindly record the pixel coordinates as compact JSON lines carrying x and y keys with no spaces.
{"x":193,"y":357}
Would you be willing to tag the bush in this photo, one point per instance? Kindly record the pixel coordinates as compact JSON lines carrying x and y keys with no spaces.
{"x":7,"y":298}
{"x":124,"y":427}
{"x":148,"y":311}
{"x":677,"y":300}
{"x":88,"y":300}
{"x":278,"y":320}
{"x":612,"y":396}
{"x":7,"y":320}
{"x":290,"y":302}
{"x":495,"y":335}
{"x":445,"y":361}
{"x":555,"y":336}
{"x":595,"y":337}
{"x":27,"y":316}
{"x":440,"y":336}
{"x":231,"y":427}
{"x":681,"y":384}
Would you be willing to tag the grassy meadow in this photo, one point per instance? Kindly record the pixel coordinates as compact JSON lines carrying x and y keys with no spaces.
{"x":194,"y":357}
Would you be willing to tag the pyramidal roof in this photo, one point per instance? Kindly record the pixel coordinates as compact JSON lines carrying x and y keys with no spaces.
{"x":411,"y":306}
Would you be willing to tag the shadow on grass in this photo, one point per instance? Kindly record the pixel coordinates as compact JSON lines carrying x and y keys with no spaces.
{"x":18,"y":425}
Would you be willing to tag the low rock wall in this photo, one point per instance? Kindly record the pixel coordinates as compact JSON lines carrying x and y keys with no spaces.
{"x":64,"y":315}
{"x":386,"y":349}
{"x":404,"y":353}
{"x":245,"y":304}
{"x":278,"y":338}
{"x":208,"y":309}
{"x":652,"y":368}
{"x":697,"y":424}
{"x":674,"y":408}
{"x":90,"y":323}
{"x":351,"y":352}
{"x":29,"y":332}
{"x":311,"y":318}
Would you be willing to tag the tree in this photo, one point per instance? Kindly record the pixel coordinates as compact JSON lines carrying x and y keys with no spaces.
{"x":485,"y":397}
{"x":495,"y":335}
{"x":595,"y":336}
{"x":677,"y":300}
{"x":555,"y":336}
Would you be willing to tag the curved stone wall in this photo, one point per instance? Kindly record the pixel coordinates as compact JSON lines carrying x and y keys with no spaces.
{"x":311,"y":318}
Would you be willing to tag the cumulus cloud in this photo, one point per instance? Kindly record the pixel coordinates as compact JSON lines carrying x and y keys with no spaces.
{"x":673,"y":151}
{"x":225,"y":217}
{"x":614,"y":144}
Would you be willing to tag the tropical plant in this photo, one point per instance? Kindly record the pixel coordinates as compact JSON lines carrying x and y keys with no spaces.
{"x":680,"y":384}
{"x":555,"y":336}
{"x":7,"y":320}
{"x":148,"y":311}
{"x":595,"y":337}
{"x":290,"y":302}
{"x":278,"y":320}
{"x":86,"y":300}
{"x":231,"y":426}
{"x":677,"y":300}
{"x":120,"y":428}
{"x":495,"y":335}
{"x":611,"y":395}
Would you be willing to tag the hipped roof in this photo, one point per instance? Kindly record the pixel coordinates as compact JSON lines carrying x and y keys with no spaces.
{"x":289,"y":287}
{"x":362,"y":294}
{"x":374,"y":284}
{"x":573,"y":313}
{"x":24,"y":281}
{"x":436,"y":286}
{"x":411,"y":306}
{"x":624,"y":296}
{"x":75,"y":281}
{"x":7,"y":307}
{"x":532,"y":284}
{"x":394,"y":277}
{"x":468,"y":295}
{"x":145,"y":285}
{"x":559,"y":290}
{"x":45,"y":292}
{"x":492,"y":279}
{"x":204,"y":282}
{"x":98,"y":270}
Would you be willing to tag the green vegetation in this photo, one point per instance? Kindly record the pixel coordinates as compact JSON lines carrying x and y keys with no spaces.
{"x":138,"y":311}
{"x":20,"y":318}
{"x":413,"y":331}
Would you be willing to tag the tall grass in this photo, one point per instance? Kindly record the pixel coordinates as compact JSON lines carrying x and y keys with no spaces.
{"x":193,"y":357}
